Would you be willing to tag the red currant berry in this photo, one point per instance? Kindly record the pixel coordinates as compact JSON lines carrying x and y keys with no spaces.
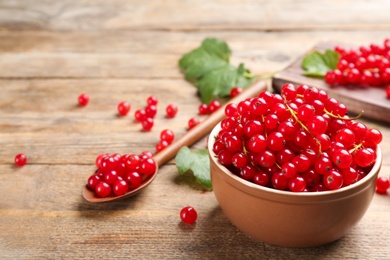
{"x":333,"y":180}
{"x":225,"y":157}
{"x":235,"y":91}
{"x":102,"y":189}
{"x":123,"y":108}
{"x":279,"y":181}
{"x":93,"y":181}
{"x":342,"y":158}
{"x":297,"y":184}
{"x":83,"y":100}
{"x":108,"y":163}
{"x":231,"y":110}
{"x":148,"y":166}
{"x":167,"y":135}
{"x":132,"y":162}
{"x":133,"y":179}
{"x":382,"y":185}
{"x":147,"y":124}
{"x":261,"y":178}
{"x":120,"y":187}
{"x":203,"y":109}
{"x":110,"y":177}
{"x":151,"y":111}
{"x":146,"y":154}
{"x":171,"y":110}
{"x":247,"y":172}
{"x":20,"y":159}
{"x":193,"y":122}
{"x":152,"y":101}
{"x":239,"y":160}
{"x":374,"y":136}
{"x":214,"y":105}
{"x":140,"y":115}
{"x":99,"y":159}
{"x":276,"y":141}
{"x":364,"y":157}
{"x":161,"y":146}
{"x":188,"y":215}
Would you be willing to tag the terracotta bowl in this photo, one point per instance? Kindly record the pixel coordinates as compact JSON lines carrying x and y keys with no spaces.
{"x":286,"y":218}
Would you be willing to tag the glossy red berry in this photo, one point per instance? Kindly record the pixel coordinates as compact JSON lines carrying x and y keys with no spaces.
{"x":193,"y":122}
{"x":333,"y":180}
{"x":20,"y":159}
{"x":133,"y":179}
{"x":83,"y":100}
{"x":203,"y":109}
{"x":235,"y":91}
{"x":152,"y":100}
{"x":147,"y":124}
{"x":382,"y":185}
{"x":103,"y":189}
{"x":120,"y":187}
{"x":140,"y":115}
{"x":123,"y":108}
{"x":214,"y":105}
{"x":171,"y":110}
{"x":148,"y":166}
{"x":93,"y":181}
{"x":167,"y":135}
{"x":188,"y":215}
{"x":151,"y":111}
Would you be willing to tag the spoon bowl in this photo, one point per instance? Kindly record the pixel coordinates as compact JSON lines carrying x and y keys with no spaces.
{"x":187,"y":139}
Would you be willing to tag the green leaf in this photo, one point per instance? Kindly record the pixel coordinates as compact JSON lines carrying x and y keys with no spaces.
{"x":219,"y":82}
{"x":212,"y":54}
{"x":196,"y":161}
{"x":316,"y":64}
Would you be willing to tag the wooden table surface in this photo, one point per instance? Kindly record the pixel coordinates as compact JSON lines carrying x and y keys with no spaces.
{"x":115,"y":50}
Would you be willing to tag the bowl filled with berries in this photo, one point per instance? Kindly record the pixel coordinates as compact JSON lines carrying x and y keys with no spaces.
{"x":293,"y":169}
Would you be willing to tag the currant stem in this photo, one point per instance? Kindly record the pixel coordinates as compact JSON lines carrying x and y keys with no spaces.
{"x":343,"y":118}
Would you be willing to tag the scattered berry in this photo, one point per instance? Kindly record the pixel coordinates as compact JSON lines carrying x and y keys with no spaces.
{"x":214,"y":105}
{"x":140,"y":115}
{"x":152,"y":101}
{"x":382,"y":185}
{"x":151,"y":111}
{"x":123,"y":108}
{"x":147,"y":124}
{"x":171,"y":110}
{"x":235,"y":92}
{"x":203,"y":109}
{"x":193,"y":122}
{"x":167,"y":135}
{"x":188,"y":215}
{"x":83,"y":100}
{"x":20,"y":159}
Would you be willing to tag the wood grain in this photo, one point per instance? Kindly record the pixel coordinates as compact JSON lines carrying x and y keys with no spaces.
{"x":115,"y":50}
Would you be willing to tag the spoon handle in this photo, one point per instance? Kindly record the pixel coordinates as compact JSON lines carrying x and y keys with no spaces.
{"x":205,"y":126}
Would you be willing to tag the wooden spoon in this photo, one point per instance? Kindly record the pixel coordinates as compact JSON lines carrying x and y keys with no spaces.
{"x":187,"y":139}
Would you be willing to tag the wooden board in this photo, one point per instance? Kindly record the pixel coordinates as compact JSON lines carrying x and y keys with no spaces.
{"x":371,"y":100}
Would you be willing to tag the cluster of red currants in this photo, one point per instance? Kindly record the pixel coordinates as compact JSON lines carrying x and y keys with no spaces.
{"x":299,"y":140}
{"x":118,"y":174}
{"x":146,"y":116}
{"x":367,"y":65}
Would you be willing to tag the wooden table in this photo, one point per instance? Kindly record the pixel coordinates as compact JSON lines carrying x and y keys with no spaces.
{"x":52,"y":51}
